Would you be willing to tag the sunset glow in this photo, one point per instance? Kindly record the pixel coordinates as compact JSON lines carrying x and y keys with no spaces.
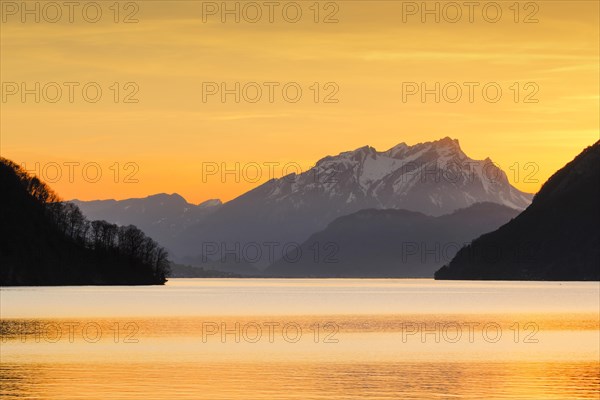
{"x":369,"y":55}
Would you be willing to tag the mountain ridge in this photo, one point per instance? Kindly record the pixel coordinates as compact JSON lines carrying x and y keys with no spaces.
{"x":389,"y":243}
{"x":434,"y":177}
{"x":431,"y":177}
{"x":555,"y":238}
{"x":162,"y":216}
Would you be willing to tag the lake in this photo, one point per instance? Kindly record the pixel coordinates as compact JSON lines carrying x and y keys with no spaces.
{"x":302,"y":339}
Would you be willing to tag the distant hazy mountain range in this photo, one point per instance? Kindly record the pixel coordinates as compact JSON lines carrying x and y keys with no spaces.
{"x":390,"y":243}
{"x":556,"y":238}
{"x":161,"y":216}
{"x":433,"y":178}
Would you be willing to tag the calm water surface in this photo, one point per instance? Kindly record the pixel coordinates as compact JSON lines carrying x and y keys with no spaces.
{"x":302,"y":339}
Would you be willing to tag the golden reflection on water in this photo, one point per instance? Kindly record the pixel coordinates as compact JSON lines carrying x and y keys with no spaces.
{"x":332,"y":380}
{"x":303,"y":357}
{"x":302,"y":339}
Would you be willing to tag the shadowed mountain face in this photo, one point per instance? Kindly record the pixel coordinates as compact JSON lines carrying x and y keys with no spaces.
{"x":162,"y":216}
{"x":556,"y":238}
{"x":389,"y":243}
{"x":433,"y":178}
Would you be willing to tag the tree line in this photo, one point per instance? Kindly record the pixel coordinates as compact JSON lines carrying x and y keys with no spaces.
{"x":87,"y":242}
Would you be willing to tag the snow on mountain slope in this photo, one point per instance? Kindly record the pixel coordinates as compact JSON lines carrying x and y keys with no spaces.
{"x":434,"y":178}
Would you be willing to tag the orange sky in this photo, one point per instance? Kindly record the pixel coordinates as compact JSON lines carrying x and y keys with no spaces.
{"x":165,"y":138}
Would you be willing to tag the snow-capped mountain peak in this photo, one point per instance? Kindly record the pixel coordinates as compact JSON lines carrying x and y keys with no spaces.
{"x":432,"y":177}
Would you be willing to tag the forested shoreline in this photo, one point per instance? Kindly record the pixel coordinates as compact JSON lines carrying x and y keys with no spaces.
{"x":45,"y":241}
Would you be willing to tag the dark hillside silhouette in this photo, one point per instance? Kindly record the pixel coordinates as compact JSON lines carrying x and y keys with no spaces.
{"x":556,"y":238}
{"x":44,"y":241}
